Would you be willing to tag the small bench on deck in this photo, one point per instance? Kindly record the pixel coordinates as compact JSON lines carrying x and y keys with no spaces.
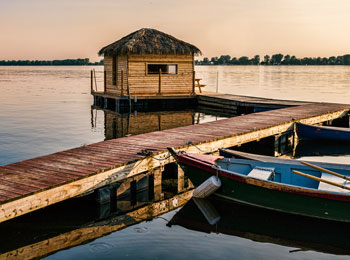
{"x":262,"y":173}
{"x":335,"y":179}
{"x":199,"y":85}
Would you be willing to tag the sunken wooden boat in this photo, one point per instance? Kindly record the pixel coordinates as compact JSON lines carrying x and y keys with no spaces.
{"x":291,"y":188}
{"x":312,"y":132}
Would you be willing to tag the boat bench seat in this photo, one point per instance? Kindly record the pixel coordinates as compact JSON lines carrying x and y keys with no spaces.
{"x":328,"y":187}
{"x":262,"y":173}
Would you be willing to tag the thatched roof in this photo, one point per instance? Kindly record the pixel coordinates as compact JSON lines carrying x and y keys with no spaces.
{"x":149,"y":41}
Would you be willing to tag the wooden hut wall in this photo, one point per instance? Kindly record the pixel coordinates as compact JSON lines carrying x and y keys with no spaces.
{"x":108,"y":67}
{"x":141,"y":83}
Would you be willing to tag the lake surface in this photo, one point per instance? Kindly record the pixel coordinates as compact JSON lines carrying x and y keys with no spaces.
{"x":306,"y":83}
{"x":48,"y":109}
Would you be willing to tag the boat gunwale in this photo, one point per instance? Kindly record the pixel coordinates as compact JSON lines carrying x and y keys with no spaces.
{"x":330,"y":128}
{"x":302,"y":191}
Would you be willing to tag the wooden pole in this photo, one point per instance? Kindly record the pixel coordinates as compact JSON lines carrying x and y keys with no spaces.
{"x":105,"y":81}
{"x":193,"y":82}
{"x":122,"y":84}
{"x":321,"y":180}
{"x":325,"y":170}
{"x":160,"y":82}
{"x":217,"y":82}
{"x":95,"y":79}
{"x":92,"y":82}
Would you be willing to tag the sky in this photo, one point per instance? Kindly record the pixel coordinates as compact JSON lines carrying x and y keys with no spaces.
{"x":64,"y":29}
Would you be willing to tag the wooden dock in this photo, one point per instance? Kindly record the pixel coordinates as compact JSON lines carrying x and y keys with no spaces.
{"x":230,"y":101}
{"x":36,"y":183}
{"x":208,"y":99}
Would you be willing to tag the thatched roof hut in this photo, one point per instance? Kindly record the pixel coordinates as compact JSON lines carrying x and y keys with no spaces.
{"x":149,"y":63}
{"x":149,"y":41}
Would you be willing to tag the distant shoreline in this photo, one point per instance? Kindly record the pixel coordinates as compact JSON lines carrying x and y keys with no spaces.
{"x":65,"y":62}
{"x":275,"y":60}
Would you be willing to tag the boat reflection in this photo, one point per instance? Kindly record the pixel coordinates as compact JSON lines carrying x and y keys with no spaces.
{"x":265,"y":226}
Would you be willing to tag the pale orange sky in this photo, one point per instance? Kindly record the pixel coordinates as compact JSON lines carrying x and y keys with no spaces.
{"x":59,"y":29}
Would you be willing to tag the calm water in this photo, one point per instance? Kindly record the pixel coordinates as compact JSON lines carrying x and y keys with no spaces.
{"x":307,"y":83}
{"x":48,"y":109}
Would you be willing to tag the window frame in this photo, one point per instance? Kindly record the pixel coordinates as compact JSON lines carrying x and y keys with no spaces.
{"x":163,"y":73}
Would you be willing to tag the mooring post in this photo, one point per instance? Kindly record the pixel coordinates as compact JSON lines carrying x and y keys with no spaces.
{"x":295,"y":139}
{"x":92,"y":81}
{"x":157,"y":176}
{"x":277,"y":145}
{"x":180,"y":179}
{"x":160,"y":82}
{"x":217,"y":82}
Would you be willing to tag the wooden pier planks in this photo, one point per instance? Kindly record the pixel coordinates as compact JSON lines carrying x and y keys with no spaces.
{"x":32,"y":184}
{"x":229,"y":101}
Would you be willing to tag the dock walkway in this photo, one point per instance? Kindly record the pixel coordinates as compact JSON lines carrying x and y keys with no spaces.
{"x":36,"y":183}
{"x":230,"y":101}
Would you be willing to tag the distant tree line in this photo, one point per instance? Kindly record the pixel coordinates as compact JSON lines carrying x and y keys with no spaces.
{"x":67,"y":62}
{"x":276,"y":59}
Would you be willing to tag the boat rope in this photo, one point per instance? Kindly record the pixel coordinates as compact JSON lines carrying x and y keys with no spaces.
{"x":146,"y":152}
{"x":191,"y":143}
{"x":161,"y":159}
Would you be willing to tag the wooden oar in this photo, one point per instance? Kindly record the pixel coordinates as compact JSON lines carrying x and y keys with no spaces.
{"x":321,"y":180}
{"x":325,"y":170}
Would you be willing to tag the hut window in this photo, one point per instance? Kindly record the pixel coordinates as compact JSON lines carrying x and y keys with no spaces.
{"x":114,"y":70}
{"x":166,"y":68}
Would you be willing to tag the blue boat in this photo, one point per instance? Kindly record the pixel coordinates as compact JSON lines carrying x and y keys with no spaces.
{"x":276,"y":186}
{"x":312,"y":132}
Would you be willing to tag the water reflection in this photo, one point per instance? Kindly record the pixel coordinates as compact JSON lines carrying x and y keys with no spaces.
{"x":265,"y":226}
{"x":79,"y":221}
{"x":118,"y":125}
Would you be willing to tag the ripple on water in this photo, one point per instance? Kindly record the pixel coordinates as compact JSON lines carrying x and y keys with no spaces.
{"x":100,"y":247}
{"x":141,"y":229}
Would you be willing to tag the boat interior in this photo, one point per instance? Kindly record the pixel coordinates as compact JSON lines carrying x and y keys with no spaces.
{"x":283,"y":173}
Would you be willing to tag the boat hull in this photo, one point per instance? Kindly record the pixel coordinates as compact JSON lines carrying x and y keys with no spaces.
{"x":311,"y":132}
{"x":265,"y":195}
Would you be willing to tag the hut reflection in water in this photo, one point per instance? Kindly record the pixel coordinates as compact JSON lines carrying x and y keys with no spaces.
{"x":118,"y":125}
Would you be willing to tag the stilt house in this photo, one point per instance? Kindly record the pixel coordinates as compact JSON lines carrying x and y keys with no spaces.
{"x":149,"y":63}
